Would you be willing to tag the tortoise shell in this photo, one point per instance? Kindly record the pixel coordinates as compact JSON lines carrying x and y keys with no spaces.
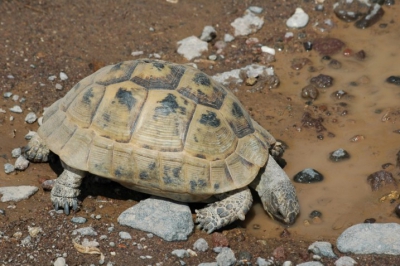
{"x":157,"y":127}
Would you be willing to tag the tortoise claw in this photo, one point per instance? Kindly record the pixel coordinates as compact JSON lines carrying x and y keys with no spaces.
{"x":66,"y":208}
{"x":56,"y":206}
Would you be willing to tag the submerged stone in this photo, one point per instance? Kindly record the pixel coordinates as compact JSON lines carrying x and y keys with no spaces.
{"x":394,"y":80}
{"x":308,"y":176}
{"x":339,"y":155}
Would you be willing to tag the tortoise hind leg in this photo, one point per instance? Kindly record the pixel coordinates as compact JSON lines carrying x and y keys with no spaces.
{"x":232,"y":206}
{"x":36,"y":150}
{"x":66,"y":189}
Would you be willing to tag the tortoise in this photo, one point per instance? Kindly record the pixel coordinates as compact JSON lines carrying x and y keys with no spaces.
{"x":168,"y":130}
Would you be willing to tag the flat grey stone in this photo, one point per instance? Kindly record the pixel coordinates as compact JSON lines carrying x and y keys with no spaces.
{"x":323,"y":249}
{"x":78,"y":220}
{"x":85,"y":231}
{"x":263,"y":262}
{"x":208,"y":264}
{"x":191,"y":47}
{"x":125,"y":235}
{"x":310,"y":263}
{"x":30,"y":118}
{"x":226,"y":257}
{"x":247,"y":24}
{"x":165,"y":218}
{"x":180,"y":253}
{"x":9,"y":168}
{"x":15,"y":153}
{"x":21,"y":163}
{"x":200,"y":245}
{"x":17,"y":193}
{"x":365,"y":238}
{"x":345,"y":261}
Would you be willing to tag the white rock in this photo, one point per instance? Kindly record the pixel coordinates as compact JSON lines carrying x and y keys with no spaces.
{"x":17,"y":193}
{"x":345,"y":261}
{"x":51,"y":78}
{"x":30,"y":118}
{"x":228,"y":37}
{"x":266,"y":49}
{"x":15,"y":153}
{"x":208,"y":33}
{"x":63,"y":76}
{"x":247,"y":24}
{"x":16,"y":109}
{"x":191,"y":47}
{"x":298,"y":20}
{"x":7,"y":94}
{"x":21,"y":163}
{"x":40,"y":120}
{"x":2,"y":111}
{"x":8,"y":168}
{"x":137,"y":53}
{"x":60,"y":262}
{"x":256,"y":9}
{"x":59,"y":86}
{"x":10,"y":76}
{"x":15,"y":97}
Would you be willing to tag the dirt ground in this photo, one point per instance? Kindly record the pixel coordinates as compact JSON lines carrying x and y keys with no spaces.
{"x":39,"y":39}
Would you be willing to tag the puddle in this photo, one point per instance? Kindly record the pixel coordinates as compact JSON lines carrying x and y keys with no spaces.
{"x":344,"y":197}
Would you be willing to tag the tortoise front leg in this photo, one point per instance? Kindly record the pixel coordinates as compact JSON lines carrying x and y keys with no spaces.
{"x":66,"y":189}
{"x":36,"y":150}
{"x":232,"y":206}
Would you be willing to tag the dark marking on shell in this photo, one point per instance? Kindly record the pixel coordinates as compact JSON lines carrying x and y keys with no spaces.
{"x":87,"y":96}
{"x":125,"y":97}
{"x":210,"y":119}
{"x":202,"y":79}
{"x":214,"y":100}
{"x":106,"y":117}
{"x":216,"y":186}
{"x":127,"y":72}
{"x":171,"y":176}
{"x":245,"y":162}
{"x":144,"y":175}
{"x":237,"y":110}
{"x":169,"y":105}
{"x":151,"y":166}
{"x":176,"y":171}
{"x":169,"y":82}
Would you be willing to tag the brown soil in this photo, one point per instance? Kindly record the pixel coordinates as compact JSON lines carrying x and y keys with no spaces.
{"x":41,"y":38}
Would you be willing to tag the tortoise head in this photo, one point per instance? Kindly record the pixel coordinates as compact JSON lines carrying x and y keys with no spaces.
{"x":277,"y":193}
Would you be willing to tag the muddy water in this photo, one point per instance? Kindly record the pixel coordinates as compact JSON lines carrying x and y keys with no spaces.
{"x":344,"y":197}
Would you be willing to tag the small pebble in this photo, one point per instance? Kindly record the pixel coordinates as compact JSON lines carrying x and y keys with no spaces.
{"x":200,"y":245}
{"x":308,"y":176}
{"x":394,"y":80}
{"x":370,"y":220}
{"x":2,"y":212}
{"x":125,"y":235}
{"x":298,"y":20}
{"x":16,"y":109}
{"x":209,"y":33}
{"x":63,"y":76}
{"x":7,"y":94}
{"x":30,"y":135}
{"x":15,"y":97}
{"x":15,"y":153}
{"x":21,"y":163}
{"x":266,"y":49}
{"x":335,"y":64}
{"x":327,"y":45}
{"x":374,"y":15}
{"x":322,"y":81}
{"x":51,"y":78}
{"x":10,"y":76}
{"x":8,"y":168}
{"x":180,"y":253}
{"x":212,"y":57}
{"x":48,"y":184}
{"x":228,"y":37}
{"x":339,"y":155}
{"x":78,"y":220}
{"x":314,"y":214}
{"x":59,"y":86}
{"x":307,"y":46}
{"x":309,"y":92}
{"x":111,"y":244}
{"x":255,"y":9}
{"x":60,"y":261}
{"x":30,"y":118}
{"x":137,"y":53}
{"x":381,"y":178}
